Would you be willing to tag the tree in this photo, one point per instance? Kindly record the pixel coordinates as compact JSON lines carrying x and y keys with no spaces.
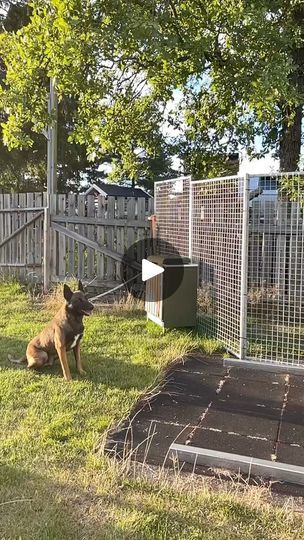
{"x":25,"y":169}
{"x":114,"y":114}
{"x":14,"y":14}
{"x":253,"y":85}
{"x":237,"y":64}
{"x":150,"y":169}
{"x":292,"y":113}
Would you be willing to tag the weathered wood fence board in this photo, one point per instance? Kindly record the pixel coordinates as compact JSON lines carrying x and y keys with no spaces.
{"x":87,"y":235}
{"x":21,"y":227}
{"x":18,"y":230}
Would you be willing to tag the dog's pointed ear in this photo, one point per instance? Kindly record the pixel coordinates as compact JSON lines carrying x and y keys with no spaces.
{"x":67,"y":293}
{"x":80,"y":286}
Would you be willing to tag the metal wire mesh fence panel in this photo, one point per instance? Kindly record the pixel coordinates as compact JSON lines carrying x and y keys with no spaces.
{"x":172,"y":211}
{"x":247,"y":236}
{"x":216,"y":216}
{"x":275,"y":308}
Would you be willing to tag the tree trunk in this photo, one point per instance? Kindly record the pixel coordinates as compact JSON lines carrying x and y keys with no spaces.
{"x":291,"y":129}
{"x":290,"y":140}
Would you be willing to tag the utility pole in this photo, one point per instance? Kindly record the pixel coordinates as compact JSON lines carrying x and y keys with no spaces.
{"x":52,"y":140}
{"x":51,"y":136}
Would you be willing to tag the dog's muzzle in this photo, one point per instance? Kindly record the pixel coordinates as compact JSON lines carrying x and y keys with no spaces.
{"x":88,"y":310}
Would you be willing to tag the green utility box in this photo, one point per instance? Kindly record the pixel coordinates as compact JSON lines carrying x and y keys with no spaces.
{"x":171,"y":297}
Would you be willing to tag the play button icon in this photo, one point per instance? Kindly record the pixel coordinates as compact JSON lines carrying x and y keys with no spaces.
{"x":138,"y":266}
{"x":150,"y":270}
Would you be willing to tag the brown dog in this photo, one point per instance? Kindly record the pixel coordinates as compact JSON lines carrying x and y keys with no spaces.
{"x":61,"y":335}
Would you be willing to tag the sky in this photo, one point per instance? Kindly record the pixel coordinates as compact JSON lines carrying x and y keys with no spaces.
{"x":265,"y":165}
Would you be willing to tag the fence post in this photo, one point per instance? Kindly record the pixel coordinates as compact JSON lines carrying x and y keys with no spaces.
{"x":190,"y":218}
{"x":244,"y":269}
{"x":46,"y":249}
{"x":52,"y":139}
{"x":153,"y":233}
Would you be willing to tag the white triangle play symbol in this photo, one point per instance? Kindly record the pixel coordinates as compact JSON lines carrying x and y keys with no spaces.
{"x":150,"y":270}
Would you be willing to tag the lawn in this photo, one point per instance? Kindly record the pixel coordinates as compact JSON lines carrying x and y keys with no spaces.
{"x":53,"y":485}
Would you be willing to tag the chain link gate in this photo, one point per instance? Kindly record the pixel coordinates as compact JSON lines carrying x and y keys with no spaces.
{"x":247,"y":236}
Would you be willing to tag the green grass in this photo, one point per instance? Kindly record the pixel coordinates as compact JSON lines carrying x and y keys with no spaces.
{"x":53,"y":485}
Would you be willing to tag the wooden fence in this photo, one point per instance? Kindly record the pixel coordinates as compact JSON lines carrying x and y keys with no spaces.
{"x":72,"y":235}
{"x":276,"y":245}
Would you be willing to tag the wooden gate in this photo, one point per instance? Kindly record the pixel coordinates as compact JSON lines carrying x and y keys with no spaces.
{"x":74,"y":235}
{"x":21,"y":235}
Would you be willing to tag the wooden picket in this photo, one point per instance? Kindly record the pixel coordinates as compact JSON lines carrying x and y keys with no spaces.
{"x":21,"y":235}
{"x":86,"y":235}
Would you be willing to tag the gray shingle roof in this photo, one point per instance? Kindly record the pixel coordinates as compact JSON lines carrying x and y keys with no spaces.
{"x":114,"y":190}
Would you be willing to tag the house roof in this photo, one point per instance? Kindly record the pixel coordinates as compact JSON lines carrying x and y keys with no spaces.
{"x":114,"y":190}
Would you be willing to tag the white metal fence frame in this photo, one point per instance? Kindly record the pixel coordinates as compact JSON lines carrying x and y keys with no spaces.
{"x":249,"y":244}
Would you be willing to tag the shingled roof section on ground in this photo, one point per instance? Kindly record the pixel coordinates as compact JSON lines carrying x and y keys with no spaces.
{"x":201,"y":403}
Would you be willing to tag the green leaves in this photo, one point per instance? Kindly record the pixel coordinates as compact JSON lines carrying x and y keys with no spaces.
{"x":121,"y":60}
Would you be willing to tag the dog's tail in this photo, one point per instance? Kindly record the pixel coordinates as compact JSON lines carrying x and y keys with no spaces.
{"x":16,"y":360}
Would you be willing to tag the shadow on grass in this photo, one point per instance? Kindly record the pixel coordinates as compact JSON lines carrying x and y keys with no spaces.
{"x":11,"y":345}
{"x":114,"y":372}
{"x":33,"y":506}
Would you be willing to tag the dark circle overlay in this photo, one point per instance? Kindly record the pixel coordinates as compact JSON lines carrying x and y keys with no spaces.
{"x":174,"y":270}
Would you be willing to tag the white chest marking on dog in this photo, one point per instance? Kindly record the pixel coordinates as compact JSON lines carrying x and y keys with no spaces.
{"x":75,"y":341}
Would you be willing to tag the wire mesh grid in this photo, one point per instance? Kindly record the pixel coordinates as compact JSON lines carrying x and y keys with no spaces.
{"x":275,"y":310}
{"x":172,"y":211}
{"x":251,"y":275}
{"x":216,"y":243}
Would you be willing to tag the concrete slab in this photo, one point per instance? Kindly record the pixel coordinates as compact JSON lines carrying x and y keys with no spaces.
{"x":292,"y":429}
{"x":145,"y":440}
{"x":244,"y":418}
{"x":175,"y":409}
{"x":292,"y":416}
{"x":296,"y":380}
{"x":295,"y":399}
{"x":288,"y":453}
{"x":118,"y":440}
{"x":207,"y":365}
{"x":248,"y":394}
{"x":251,"y":408}
{"x":151,"y":440}
{"x":234,"y":444}
{"x":241,"y":423}
{"x":275,"y":367}
{"x":180,"y":382}
{"x":256,"y":375}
